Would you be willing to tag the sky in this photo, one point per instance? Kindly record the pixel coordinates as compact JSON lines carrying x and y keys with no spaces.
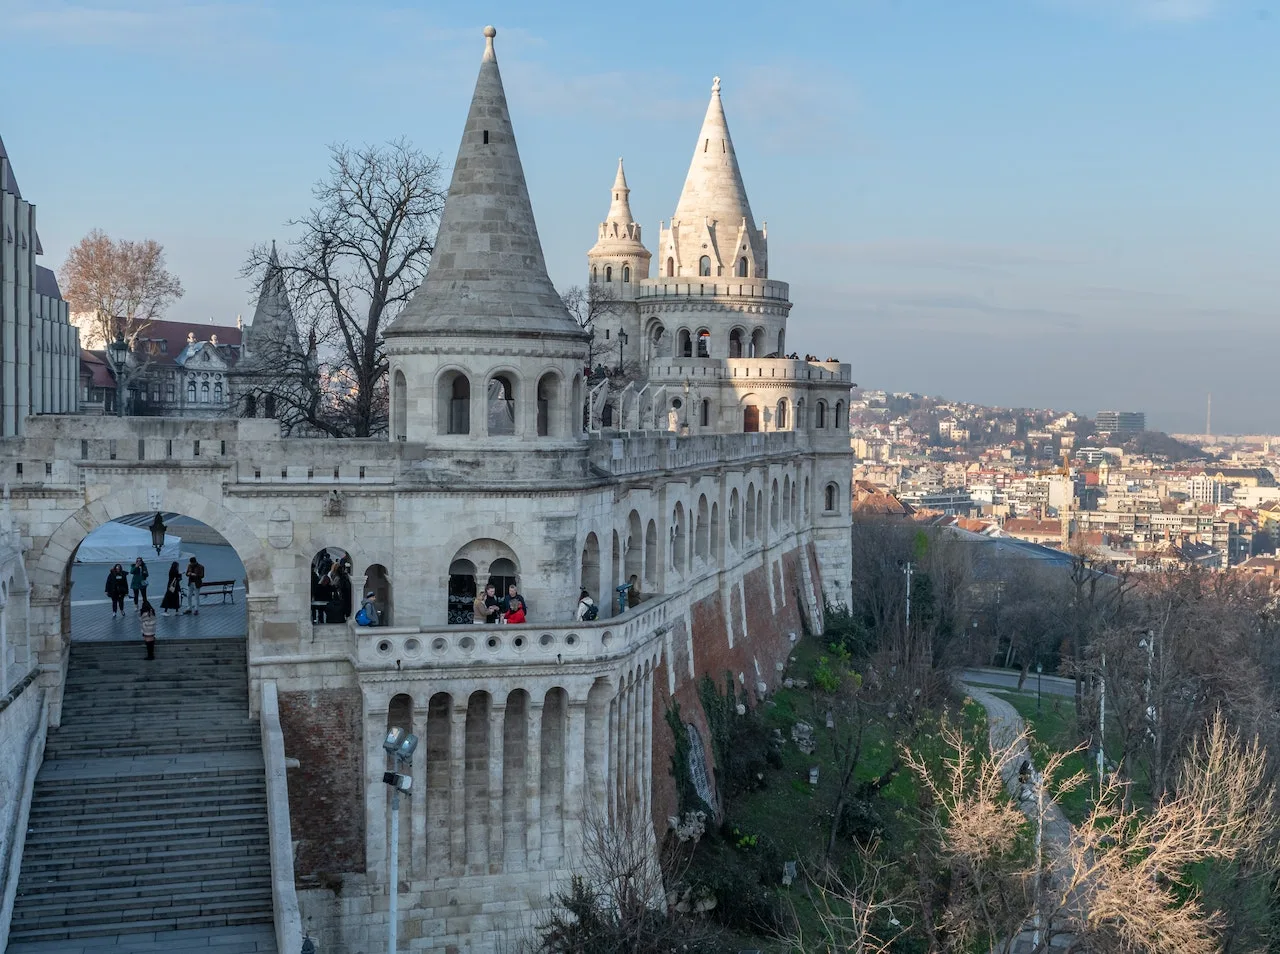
{"x":1030,"y":203}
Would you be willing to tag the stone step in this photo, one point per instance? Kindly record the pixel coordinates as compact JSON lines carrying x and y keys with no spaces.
{"x":195,"y":819}
{"x":99,"y":880}
{"x":174,"y":844}
{"x":184,"y":917}
{"x":155,"y":890}
{"x":122,"y":868}
{"x":120,"y":906}
{"x":117,"y":787}
{"x":129,"y":805}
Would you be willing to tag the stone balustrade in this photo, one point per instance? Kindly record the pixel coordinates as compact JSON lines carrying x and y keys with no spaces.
{"x":708,"y":287}
{"x":533,"y":644}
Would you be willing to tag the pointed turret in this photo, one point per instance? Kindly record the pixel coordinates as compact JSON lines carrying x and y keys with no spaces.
{"x":487,"y":274}
{"x":273,"y":326}
{"x":618,"y":254}
{"x":713,"y":218}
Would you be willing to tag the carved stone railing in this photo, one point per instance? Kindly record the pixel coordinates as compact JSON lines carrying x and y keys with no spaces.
{"x":284,"y":896}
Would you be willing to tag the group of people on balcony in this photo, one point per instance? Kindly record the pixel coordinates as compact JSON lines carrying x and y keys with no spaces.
{"x":489,"y":607}
{"x":330,"y":588}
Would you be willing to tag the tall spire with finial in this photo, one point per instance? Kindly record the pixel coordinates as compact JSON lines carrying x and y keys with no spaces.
{"x":487,"y":273}
{"x":273,"y":327}
{"x":618,"y":246}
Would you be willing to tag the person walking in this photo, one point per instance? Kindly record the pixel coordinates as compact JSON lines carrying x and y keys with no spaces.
{"x":147,"y":624}
{"x":138,"y":580}
{"x":173,"y":590}
{"x":117,"y":589}
{"x":195,"y":577}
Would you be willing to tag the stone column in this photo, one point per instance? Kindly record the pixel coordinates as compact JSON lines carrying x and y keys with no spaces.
{"x":646,"y":762}
{"x":417,"y":809}
{"x":497,"y":721}
{"x":457,"y":785}
{"x":624,"y":747}
{"x":611,"y":757}
{"x":533,"y":783}
{"x":376,"y":800}
{"x":574,"y":808}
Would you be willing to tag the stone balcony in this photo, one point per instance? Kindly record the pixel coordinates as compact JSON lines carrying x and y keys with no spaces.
{"x":708,"y":287}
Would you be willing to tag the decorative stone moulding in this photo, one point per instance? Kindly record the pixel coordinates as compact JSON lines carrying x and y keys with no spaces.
{"x":280,"y":529}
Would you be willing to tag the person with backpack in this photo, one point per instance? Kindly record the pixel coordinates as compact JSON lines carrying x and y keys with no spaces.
{"x":138,"y":580}
{"x":195,"y":579}
{"x":587,"y":609}
{"x":368,"y":612}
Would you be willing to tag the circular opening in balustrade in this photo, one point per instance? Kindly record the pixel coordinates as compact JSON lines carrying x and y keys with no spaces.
{"x":571,"y":640}
{"x":494,"y":644}
{"x":467,"y":644}
{"x":546,"y":640}
{"x":606,"y":640}
{"x":384,"y":647}
{"x":518,"y":643}
{"x":440,"y":645}
{"x":412,"y":646}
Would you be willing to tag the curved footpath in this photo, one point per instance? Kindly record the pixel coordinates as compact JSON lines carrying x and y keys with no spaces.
{"x":1004,"y":725}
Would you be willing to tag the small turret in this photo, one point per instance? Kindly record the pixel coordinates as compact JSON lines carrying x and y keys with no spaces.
{"x":619,"y":255}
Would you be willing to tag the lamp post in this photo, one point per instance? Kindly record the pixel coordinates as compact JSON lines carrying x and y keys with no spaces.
{"x":1039,"y":682}
{"x":622,"y":342}
{"x":118,"y":351}
{"x":400,"y":745}
{"x":157,"y":532}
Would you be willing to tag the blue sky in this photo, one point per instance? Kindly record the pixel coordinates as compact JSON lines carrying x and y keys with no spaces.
{"x":1066,"y":203}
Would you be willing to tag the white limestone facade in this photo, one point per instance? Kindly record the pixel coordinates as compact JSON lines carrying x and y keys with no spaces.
{"x":39,"y":349}
{"x":504,"y":463}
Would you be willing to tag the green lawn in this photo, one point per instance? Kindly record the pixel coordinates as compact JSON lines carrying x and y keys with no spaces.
{"x":1051,"y":726}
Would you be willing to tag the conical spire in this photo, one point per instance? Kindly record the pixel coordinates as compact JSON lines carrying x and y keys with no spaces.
{"x":273,"y":326}
{"x":620,"y":205}
{"x":487,"y":274}
{"x":713,"y":189}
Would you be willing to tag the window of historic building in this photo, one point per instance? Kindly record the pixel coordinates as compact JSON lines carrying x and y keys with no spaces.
{"x":626,"y":273}
{"x":821,"y":419}
{"x":400,"y":405}
{"x":750,"y":419}
{"x":684,"y":344}
{"x":671,"y":267}
{"x":831,"y":498}
{"x":735,"y":343}
{"x":502,"y":405}
{"x":704,"y":265}
{"x":548,"y":405}
{"x":191,"y":392}
{"x":454,"y":404}
{"x":781,"y":419}
{"x":742,"y":267}
{"x":704,"y":343}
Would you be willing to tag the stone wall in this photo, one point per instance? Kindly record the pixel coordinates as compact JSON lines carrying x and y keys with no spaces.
{"x":19,"y":724}
{"x":323,"y":730}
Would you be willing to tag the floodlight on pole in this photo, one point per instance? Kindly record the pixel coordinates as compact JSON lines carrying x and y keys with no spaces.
{"x":400,"y":744}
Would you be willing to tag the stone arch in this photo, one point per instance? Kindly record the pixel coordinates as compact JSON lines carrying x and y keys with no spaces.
{"x":735,"y":343}
{"x":757,"y":343}
{"x":749,"y":525}
{"x":634,"y":561}
{"x":502,"y":397}
{"x":549,"y":410}
{"x":735,"y":531}
{"x":780,"y":419}
{"x":475,"y":780}
{"x":651,"y":556}
{"x":654,"y":331}
{"x":703,"y":343}
{"x":840,"y":420}
{"x":378,"y":582}
{"x":702,"y":529}
{"x":589,"y":577}
{"x":596,"y":757}
{"x":782,"y":342}
{"x":555,"y":713}
{"x":453,"y":401}
{"x":820,"y":415}
{"x":773,"y":505}
{"x":717,"y":538}
{"x":799,"y":422}
{"x":437,"y":781}
{"x":482,"y":558}
{"x":787,"y":515}
{"x":831,"y":498}
{"x":678,"y":542}
{"x":399,"y":405}
{"x":49,"y":562}
{"x":684,"y":344}
{"x":742,"y":267}
{"x":671,"y":267}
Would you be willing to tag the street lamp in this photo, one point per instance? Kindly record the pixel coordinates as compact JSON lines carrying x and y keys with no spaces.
{"x":118,"y":352}
{"x":400,"y":745}
{"x":1039,"y":680}
{"x":157,"y":532}
{"x":622,"y":341}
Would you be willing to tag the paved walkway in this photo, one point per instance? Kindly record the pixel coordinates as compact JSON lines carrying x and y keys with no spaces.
{"x":1004,"y":725}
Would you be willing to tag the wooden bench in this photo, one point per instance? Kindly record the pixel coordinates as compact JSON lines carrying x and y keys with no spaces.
{"x":224,"y":588}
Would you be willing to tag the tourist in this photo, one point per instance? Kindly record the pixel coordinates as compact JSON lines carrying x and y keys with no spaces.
{"x":492,"y":605}
{"x":513,"y":595}
{"x":587,"y":609}
{"x":342,"y":592}
{"x":633,"y":592}
{"x":368,"y":615}
{"x":138,"y":580}
{"x":117,"y":589}
{"x":147,"y":623}
{"x":195,"y":578}
{"x":515,"y":612}
{"x":322,"y":600}
{"x":173,"y":590}
{"x":478,"y":613}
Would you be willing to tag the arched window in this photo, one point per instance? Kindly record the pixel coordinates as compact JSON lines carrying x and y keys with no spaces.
{"x":378,"y":582}
{"x":453,"y":401}
{"x":717,"y":540}
{"x":757,"y":343}
{"x":204,"y":393}
{"x":269,"y":406}
{"x":678,"y":542}
{"x":656,"y":331}
{"x":704,"y":265}
{"x":332,"y":591}
{"x":400,"y":405}
{"x":705,"y":416}
{"x":821,"y":421}
{"x":735,"y":343}
{"x":750,"y":419}
{"x":651,"y":556}
{"x":250,"y":405}
{"x":608,"y":273}
{"x":782,"y":344}
{"x":626,"y":273}
{"x":841,"y":420}
{"x":801,"y":422}
{"x":671,"y":267}
{"x":462,"y":592}
{"x":502,"y":406}
{"x":702,"y":528}
{"x":831,"y":499}
{"x":786,"y":498}
{"x":548,"y":405}
{"x":217,"y":392}
{"x":191,"y":392}
{"x":735,"y":533}
{"x":781,"y":419}
{"x":595,"y":275}
{"x":773,"y":505}
{"x":684,"y":344}
{"x":704,"y":343}
{"x":749,"y":524}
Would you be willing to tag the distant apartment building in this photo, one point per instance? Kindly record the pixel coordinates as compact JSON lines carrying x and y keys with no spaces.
{"x":39,"y":349}
{"x":1120,"y":423}
{"x":952,"y":501}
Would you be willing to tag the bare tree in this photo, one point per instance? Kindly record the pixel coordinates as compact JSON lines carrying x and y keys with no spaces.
{"x":588,"y":305}
{"x":118,"y":286}
{"x":855,"y":916}
{"x":361,"y":253}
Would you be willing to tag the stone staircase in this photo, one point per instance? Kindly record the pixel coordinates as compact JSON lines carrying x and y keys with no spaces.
{"x":148,"y":827}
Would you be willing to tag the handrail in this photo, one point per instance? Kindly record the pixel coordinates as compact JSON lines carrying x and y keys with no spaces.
{"x":35,"y":755}
{"x":284,"y":896}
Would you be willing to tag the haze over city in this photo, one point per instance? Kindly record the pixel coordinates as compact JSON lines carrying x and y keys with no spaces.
{"x":1061,"y":203}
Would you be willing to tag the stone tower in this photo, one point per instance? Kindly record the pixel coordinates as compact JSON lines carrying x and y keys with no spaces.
{"x":486,"y":324}
{"x":619,"y":254}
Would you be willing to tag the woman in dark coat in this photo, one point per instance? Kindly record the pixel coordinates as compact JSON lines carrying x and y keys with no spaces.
{"x":117,"y":589}
{"x":172,"y":590}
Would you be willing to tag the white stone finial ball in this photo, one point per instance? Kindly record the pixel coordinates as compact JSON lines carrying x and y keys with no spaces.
{"x":490,"y":32}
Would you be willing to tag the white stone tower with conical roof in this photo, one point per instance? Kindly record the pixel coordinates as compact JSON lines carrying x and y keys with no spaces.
{"x":486,"y":350}
{"x":619,"y":254}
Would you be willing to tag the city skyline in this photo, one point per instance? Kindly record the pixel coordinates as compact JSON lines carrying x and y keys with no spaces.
{"x":1042,"y":204}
